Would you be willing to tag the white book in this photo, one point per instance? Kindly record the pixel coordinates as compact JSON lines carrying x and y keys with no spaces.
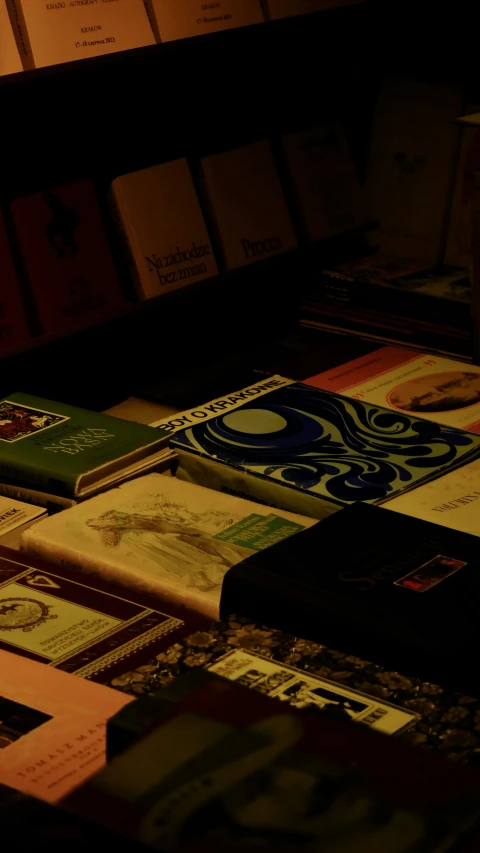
{"x":162,"y":225}
{"x":163,"y":535}
{"x":10,"y":61}
{"x":65,"y":30}
{"x":15,"y":517}
{"x":177,"y":19}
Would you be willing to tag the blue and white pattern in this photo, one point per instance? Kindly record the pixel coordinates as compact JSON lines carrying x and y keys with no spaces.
{"x":333,"y":446}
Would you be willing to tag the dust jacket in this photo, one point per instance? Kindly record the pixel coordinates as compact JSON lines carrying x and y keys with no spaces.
{"x":400,"y":591}
{"x":311,"y":451}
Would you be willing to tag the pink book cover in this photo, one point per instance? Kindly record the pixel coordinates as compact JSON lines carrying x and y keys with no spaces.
{"x":423,"y":384}
{"x":52,"y":727}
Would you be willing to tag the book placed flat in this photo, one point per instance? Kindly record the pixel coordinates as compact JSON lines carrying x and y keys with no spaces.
{"x":67,"y":256}
{"x":163,"y":229}
{"x":13,"y":323}
{"x":14,"y":517}
{"x":400,"y":591}
{"x":51,"y":33}
{"x":231,"y":770}
{"x":10,"y":61}
{"x":311,"y":451}
{"x":435,"y":388}
{"x":324,"y":181}
{"x":247,"y":204}
{"x":171,"y":21}
{"x":164,"y":536}
{"x":82,"y":624}
{"x":71,"y":452}
{"x":52,"y":727}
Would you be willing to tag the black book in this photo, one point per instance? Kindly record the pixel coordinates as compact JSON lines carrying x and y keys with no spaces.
{"x":400,"y":591}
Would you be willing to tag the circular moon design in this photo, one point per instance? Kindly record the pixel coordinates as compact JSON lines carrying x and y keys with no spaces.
{"x":255,"y":421}
{"x":438,"y":392}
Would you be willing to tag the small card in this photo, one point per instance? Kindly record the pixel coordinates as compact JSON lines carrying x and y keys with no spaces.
{"x":176,"y":20}
{"x":431,"y":573}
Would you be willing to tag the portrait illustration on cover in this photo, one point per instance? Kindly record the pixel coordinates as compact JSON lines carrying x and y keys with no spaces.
{"x":17,"y":720}
{"x":175,"y":538}
{"x":439,"y":392}
{"x":18,"y":421}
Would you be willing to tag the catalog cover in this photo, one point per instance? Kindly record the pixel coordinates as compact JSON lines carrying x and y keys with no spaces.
{"x":164,"y":536}
{"x":81,"y":623}
{"x":300,"y":441}
{"x":194,"y":18}
{"x":52,"y":727}
{"x":435,"y":388}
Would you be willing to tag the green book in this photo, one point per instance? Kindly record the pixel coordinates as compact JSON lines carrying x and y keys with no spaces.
{"x":72,"y":452}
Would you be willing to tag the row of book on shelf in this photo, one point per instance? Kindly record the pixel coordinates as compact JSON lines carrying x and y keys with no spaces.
{"x":34,"y":35}
{"x":337,"y":513}
{"x":406,"y":280}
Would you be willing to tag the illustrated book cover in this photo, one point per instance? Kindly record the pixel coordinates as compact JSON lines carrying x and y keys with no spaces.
{"x":51,"y":33}
{"x":159,"y":217}
{"x":233,"y":769}
{"x":401,"y":591}
{"x":162,"y":535}
{"x":435,"y":388}
{"x":52,"y":727}
{"x":67,"y":256}
{"x":311,"y":451}
{"x":85,"y":625}
{"x":246,"y":201}
{"x":72,"y":452}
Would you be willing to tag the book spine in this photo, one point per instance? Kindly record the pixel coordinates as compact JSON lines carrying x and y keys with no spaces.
{"x":31,"y":496}
{"x":126,"y":242}
{"x":242,"y":484}
{"x":19,"y":27}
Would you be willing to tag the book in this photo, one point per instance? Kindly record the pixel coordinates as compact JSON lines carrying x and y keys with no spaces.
{"x":156,"y":533}
{"x":84,"y":625}
{"x":311,"y":451}
{"x":458,"y":248}
{"x":411,"y":166}
{"x":10,"y":61}
{"x":400,"y":591}
{"x":247,"y":204}
{"x":67,"y":256}
{"x":13,"y":323}
{"x":15,"y":516}
{"x":52,"y":727}
{"x":289,"y":8}
{"x":164,"y":233}
{"x":52,"y":33}
{"x":196,"y":18}
{"x":435,"y":388}
{"x":232,"y":770}
{"x":69,"y":451}
{"x":324,"y":182}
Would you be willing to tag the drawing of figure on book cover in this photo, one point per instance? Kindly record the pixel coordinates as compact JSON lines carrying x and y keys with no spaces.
{"x":171,"y":536}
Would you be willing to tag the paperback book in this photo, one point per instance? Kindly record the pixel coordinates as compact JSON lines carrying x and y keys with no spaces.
{"x":311,"y":451}
{"x":164,"y":536}
{"x":71,"y":452}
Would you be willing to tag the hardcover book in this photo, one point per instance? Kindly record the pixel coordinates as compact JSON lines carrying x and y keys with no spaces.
{"x":411,"y":170}
{"x":435,"y":388}
{"x":51,"y":33}
{"x":324,"y":181}
{"x":312,"y":451}
{"x":458,"y":249}
{"x":162,"y":535}
{"x":229,"y":769}
{"x":67,"y":256}
{"x":14,"y":517}
{"x":163,"y":229}
{"x":402,"y":592}
{"x":71,"y":452}
{"x":10,"y":61}
{"x":171,"y":21}
{"x":13,"y":323}
{"x":82,"y":624}
{"x":247,"y":204}
{"x":52,"y":727}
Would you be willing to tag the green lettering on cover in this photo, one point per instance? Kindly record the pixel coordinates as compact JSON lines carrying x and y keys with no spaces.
{"x":259,"y":531}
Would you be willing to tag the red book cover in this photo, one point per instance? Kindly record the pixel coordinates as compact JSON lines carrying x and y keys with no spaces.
{"x":13,"y":324}
{"x":67,"y":257}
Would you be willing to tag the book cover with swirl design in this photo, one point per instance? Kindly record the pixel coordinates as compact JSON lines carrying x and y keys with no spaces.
{"x":312,"y":451}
